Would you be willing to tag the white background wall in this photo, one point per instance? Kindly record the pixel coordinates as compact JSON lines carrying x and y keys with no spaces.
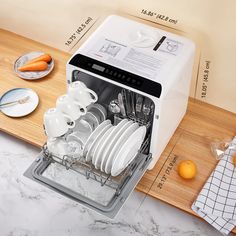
{"x":210,"y":23}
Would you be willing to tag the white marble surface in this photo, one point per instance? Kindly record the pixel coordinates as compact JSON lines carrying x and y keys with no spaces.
{"x":30,"y":209}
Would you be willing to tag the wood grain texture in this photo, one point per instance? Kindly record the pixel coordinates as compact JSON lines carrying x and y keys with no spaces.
{"x":201,"y":125}
{"x":29,"y":128}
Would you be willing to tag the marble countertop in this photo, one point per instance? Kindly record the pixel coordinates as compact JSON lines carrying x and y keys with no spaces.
{"x":30,"y":209}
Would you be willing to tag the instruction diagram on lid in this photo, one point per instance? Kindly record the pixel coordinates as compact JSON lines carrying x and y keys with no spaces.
{"x":171,"y":46}
{"x":136,"y":61}
{"x":110,"y":49}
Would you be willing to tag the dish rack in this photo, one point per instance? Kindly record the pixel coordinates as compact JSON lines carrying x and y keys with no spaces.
{"x":88,"y":170}
{"x":119,"y":187}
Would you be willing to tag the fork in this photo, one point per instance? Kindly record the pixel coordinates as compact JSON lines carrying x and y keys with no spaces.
{"x":19,"y":101}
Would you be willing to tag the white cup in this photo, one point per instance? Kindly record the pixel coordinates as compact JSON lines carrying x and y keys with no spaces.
{"x":58,"y":147}
{"x":56,"y":123}
{"x":70,"y":107}
{"x":80,"y":93}
{"x":83,"y":126}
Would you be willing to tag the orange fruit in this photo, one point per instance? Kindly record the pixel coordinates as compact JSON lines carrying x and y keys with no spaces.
{"x":187,"y":169}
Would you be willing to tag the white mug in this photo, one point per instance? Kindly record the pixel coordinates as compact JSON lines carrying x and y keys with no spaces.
{"x":56,"y":123}
{"x":70,"y":107}
{"x":80,"y":93}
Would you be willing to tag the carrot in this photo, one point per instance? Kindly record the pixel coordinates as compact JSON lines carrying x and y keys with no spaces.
{"x":36,"y":66}
{"x":44,"y":57}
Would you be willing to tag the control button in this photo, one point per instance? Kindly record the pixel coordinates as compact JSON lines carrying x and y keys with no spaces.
{"x":128,"y":79}
{"x":115,"y":73}
{"x":123,"y":77}
{"x":106,"y":71}
{"x":119,"y":75}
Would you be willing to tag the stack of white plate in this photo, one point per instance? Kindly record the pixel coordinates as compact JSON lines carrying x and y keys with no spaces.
{"x":112,"y":148}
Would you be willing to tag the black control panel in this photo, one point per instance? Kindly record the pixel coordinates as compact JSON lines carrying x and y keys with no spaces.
{"x":110,"y":72}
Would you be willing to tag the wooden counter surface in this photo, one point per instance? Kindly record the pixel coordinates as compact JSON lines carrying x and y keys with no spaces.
{"x":29,"y":128}
{"x":201,"y":125}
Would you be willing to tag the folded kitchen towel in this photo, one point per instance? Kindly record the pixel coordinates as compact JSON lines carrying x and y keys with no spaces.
{"x":216,"y":203}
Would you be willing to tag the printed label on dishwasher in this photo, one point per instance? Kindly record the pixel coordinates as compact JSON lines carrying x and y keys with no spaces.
{"x":171,"y":47}
{"x":122,"y":56}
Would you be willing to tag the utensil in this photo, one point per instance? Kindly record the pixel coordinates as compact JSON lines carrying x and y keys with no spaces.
{"x":146,"y":108}
{"x":152,"y":110}
{"x":19,"y":109}
{"x":121,"y":105}
{"x":125,"y":101}
{"x":19,"y":101}
{"x":114,"y":106}
{"x":139,"y":105}
{"x":132,"y":101}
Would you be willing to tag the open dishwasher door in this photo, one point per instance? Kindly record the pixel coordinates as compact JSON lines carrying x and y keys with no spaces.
{"x":83,"y":183}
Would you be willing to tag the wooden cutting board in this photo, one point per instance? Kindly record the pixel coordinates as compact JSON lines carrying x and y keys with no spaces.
{"x":201,"y":125}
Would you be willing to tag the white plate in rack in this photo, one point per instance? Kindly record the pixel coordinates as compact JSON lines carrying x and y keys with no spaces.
{"x":119,"y":144}
{"x":92,"y":147}
{"x":108,"y":146}
{"x":94,"y":135}
{"x":128,"y":151}
{"x":97,"y":159}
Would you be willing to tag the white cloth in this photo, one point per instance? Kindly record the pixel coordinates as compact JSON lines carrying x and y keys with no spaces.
{"x":216,"y":203}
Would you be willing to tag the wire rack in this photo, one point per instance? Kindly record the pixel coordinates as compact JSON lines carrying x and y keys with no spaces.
{"x":88,"y":170}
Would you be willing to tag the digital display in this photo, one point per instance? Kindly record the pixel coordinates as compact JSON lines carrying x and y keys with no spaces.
{"x":97,"y":67}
